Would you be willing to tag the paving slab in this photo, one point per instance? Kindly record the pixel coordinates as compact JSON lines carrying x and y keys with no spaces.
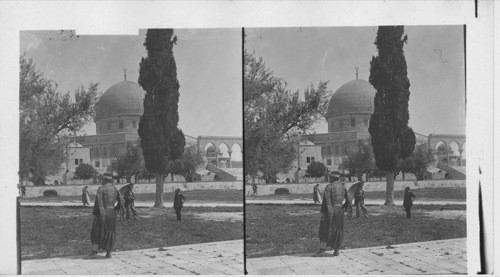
{"x":213,"y":258}
{"x":410,"y":258}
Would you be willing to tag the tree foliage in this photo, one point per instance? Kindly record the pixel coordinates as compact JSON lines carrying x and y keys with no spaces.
{"x":85,"y":172}
{"x":128,"y":162}
{"x":47,"y":118}
{"x":162,"y":142}
{"x":418,"y":161}
{"x":275,"y":117}
{"x":316,"y":170}
{"x":187,"y":164}
{"x":391,"y":137}
{"x":360,"y":160}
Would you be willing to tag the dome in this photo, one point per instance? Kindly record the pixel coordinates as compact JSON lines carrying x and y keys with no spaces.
{"x":123,"y":98}
{"x":353,"y":97}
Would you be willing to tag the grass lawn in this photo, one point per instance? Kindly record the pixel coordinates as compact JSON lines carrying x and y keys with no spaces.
{"x":230,"y":196}
{"x":456,"y":194}
{"x":293,"y":229}
{"x":65,"y":231}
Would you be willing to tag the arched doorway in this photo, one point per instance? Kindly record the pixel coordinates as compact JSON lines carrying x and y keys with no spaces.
{"x":236,"y":156}
{"x":211,"y":153}
{"x":223,"y":156}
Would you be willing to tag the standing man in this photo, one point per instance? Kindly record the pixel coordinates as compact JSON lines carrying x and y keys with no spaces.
{"x":178,"y":203}
{"x":359,"y":200}
{"x":331,"y":229}
{"x":129,"y":198}
{"x":408,"y":201}
{"x":103,"y":233}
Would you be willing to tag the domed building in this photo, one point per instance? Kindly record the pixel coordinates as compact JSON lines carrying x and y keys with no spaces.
{"x":118,"y":112}
{"x":348,"y":117}
{"x":120,"y":108}
{"x":349,"y":112}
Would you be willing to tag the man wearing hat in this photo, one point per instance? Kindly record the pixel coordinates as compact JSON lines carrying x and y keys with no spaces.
{"x":103,"y":233}
{"x":331,"y":229}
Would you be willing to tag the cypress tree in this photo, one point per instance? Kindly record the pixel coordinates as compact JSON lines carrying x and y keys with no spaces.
{"x":391,"y":137}
{"x":162,"y":142}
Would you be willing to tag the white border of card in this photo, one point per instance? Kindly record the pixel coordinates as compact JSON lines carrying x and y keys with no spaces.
{"x":127,"y":17}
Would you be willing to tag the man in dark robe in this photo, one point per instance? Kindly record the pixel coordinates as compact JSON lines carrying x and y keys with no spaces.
{"x":331,"y":229}
{"x":178,"y":203}
{"x":103,"y":233}
{"x":409,"y":197}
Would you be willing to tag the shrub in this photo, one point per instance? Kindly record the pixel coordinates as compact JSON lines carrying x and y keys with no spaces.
{"x":50,"y":193}
{"x":316,"y":169}
{"x":281,"y":191}
{"x":85,"y":172}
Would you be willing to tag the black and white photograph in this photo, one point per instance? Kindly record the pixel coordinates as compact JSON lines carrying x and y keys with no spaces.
{"x":355,"y":150}
{"x":249,"y":137}
{"x":128,"y":157}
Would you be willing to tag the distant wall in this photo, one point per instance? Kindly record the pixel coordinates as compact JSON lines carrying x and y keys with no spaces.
{"x":369,"y":186}
{"x":76,"y":190}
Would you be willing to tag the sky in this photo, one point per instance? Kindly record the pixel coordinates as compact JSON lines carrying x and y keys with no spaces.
{"x":434,"y":56}
{"x":208,"y":69}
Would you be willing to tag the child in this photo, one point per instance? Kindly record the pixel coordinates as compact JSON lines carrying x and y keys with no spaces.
{"x":408,"y":201}
{"x":254,"y":188}
{"x":178,"y":203}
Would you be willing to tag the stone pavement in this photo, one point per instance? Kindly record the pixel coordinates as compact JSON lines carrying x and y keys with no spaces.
{"x":219,"y":258}
{"x":141,"y":204}
{"x":249,"y":200}
{"x":432,"y":257}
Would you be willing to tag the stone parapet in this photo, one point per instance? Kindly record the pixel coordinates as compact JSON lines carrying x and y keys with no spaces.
{"x":76,"y":190}
{"x":303,"y":188}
